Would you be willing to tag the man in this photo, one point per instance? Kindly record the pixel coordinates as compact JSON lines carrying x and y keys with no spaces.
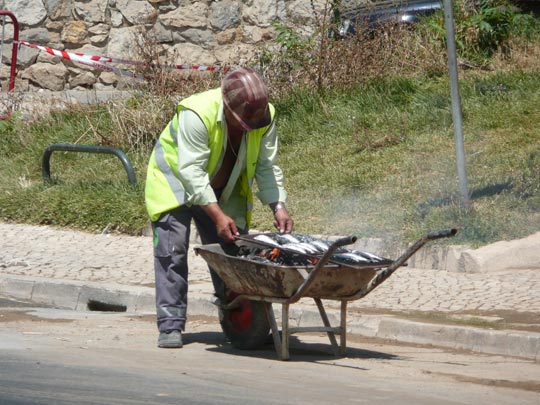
{"x":202,"y":169}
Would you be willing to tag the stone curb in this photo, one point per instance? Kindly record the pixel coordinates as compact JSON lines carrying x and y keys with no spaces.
{"x":499,"y":256}
{"x":76,"y":295}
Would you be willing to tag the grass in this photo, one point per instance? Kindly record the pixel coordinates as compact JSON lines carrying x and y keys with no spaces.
{"x":373,"y":157}
{"x":386,"y":166}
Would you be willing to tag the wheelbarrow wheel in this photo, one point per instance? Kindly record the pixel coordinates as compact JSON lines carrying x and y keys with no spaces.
{"x":246,"y":326}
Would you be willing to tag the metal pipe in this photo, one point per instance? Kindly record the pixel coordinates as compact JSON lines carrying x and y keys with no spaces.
{"x":13,"y":72}
{"x":456,"y":102}
{"x":46,"y":166}
{"x":14,"y":48}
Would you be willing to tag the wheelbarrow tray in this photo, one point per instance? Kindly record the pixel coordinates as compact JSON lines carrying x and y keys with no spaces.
{"x":271,"y":280}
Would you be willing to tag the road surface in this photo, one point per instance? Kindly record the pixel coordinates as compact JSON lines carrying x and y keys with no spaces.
{"x":57,"y":356}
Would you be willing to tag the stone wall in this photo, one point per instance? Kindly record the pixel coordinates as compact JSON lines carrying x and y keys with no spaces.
{"x":201,"y":32}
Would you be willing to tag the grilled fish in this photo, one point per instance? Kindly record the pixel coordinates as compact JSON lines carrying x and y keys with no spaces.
{"x":266,"y":239}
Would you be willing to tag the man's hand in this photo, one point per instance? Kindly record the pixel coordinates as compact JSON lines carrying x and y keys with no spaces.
{"x":226,"y":228}
{"x":225,"y":225}
{"x":282,"y":221}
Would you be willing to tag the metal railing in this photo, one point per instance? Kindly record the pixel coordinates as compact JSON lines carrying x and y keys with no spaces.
{"x":46,"y":165}
{"x":11,"y":85}
{"x":12,"y":74}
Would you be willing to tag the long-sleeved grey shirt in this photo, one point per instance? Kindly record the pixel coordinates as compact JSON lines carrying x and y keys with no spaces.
{"x":193,"y":153}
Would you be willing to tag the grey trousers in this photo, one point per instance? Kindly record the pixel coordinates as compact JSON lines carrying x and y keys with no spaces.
{"x":171,"y":244}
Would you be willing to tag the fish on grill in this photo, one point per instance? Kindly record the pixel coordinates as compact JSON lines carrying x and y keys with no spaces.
{"x":303,"y":244}
{"x":266,"y":239}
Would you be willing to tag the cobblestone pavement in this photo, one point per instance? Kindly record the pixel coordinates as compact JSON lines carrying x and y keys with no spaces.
{"x":40,"y":251}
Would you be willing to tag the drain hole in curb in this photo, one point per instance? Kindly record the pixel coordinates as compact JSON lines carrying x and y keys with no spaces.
{"x":94,"y":305}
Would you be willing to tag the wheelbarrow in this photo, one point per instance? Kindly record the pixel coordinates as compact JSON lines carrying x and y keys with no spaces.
{"x":246,"y":313}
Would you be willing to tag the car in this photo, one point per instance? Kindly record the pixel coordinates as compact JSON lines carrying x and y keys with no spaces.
{"x":370,"y":17}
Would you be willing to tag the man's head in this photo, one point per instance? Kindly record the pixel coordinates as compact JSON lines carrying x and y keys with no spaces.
{"x":245,"y":96}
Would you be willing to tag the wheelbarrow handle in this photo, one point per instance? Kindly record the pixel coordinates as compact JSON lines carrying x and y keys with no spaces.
{"x":384,"y":274}
{"x":442,"y":233}
{"x":347,"y":240}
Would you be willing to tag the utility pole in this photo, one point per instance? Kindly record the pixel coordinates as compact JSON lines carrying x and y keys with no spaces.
{"x":456,"y":102}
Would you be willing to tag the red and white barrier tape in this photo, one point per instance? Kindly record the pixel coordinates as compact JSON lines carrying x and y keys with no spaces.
{"x":96,"y":61}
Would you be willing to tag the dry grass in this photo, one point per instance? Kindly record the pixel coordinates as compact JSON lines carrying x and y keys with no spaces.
{"x":525,"y":55}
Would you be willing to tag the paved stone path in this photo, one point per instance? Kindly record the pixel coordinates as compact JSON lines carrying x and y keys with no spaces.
{"x":41,"y":251}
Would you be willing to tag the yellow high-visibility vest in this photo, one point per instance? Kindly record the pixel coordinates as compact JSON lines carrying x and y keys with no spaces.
{"x":163,"y":190}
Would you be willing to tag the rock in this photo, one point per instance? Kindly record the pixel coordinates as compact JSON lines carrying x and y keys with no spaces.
{"x":55,"y":26}
{"x":39,"y":36}
{"x":90,"y":12}
{"x":117,"y":19}
{"x":302,"y":12}
{"x":47,"y":76}
{"x":28,"y":12}
{"x":137,"y":11}
{"x":199,"y":37}
{"x":123,"y":43}
{"x":191,"y":16}
{"x":224,"y":15}
{"x":58,"y":9}
{"x":108,"y":78}
{"x":44,"y":57}
{"x":75,"y":32}
{"x":85,"y":79}
{"x":263,"y":13}
{"x":228,"y":37}
{"x":235,"y":54}
{"x":99,"y":40}
{"x":25,"y":57}
{"x":160,"y":34}
{"x":255,"y":35}
{"x":191,"y":54}
{"x":99,"y":29}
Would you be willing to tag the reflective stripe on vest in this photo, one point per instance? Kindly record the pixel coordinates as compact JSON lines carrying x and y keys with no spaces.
{"x":172,"y":178}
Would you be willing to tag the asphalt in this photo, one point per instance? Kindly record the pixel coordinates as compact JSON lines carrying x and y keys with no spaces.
{"x":484,"y":300}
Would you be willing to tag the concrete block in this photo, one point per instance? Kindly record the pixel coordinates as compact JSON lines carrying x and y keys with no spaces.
{"x":506,"y":255}
{"x":507,"y":343}
{"x":499,"y":342}
{"x":56,"y":294}
{"x":313,"y":318}
{"x":200,"y":306}
{"x":16,"y":288}
{"x":411,"y":332}
{"x":364,"y":325}
{"x":445,"y":258}
{"x":146,"y":302}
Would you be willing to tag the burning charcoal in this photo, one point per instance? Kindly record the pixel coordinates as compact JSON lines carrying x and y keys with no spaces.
{"x":245,"y":251}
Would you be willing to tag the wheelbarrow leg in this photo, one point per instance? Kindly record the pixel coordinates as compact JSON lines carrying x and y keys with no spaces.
{"x":343,"y":329}
{"x":275,"y":331}
{"x":285,"y":332}
{"x":331,"y":335}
